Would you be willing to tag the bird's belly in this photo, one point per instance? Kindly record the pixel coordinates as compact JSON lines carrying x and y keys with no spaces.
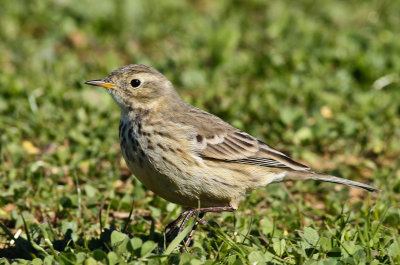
{"x":177,"y":185}
{"x":161,"y":184}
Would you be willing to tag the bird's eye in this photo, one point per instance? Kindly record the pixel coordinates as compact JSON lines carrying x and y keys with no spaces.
{"x":135,"y":82}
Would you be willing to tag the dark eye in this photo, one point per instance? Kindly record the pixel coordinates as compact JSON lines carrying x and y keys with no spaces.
{"x":135,"y":82}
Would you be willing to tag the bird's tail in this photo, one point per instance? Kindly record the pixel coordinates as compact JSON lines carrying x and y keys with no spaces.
{"x":306,"y":175}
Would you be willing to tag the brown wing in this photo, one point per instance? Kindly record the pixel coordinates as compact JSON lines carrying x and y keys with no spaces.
{"x":218,"y":140}
{"x":240,"y":147}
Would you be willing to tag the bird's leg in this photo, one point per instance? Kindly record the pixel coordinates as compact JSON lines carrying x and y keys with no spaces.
{"x":199,"y":220}
{"x":189,"y":237}
{"x":171,"y":227}
{"x":202,"y":212}
{"x":185,"y":215}
{"x":219,"y":209}
{"x":191,"y":212}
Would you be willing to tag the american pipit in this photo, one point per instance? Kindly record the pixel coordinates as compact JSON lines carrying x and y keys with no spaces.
{"x":191,"y":157}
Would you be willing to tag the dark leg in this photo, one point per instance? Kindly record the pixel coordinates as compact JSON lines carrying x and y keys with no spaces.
{"x":190,"y":213}
{"x":216,"y":209}
{"x":189,"y":237}
{"x":171,"y":225}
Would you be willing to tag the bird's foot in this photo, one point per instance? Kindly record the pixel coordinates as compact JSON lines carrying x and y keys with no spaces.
{"x":185,"y":216}
{"x":172,"y":227}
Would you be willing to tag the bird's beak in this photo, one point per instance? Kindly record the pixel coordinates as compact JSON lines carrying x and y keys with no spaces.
{"x":100,"y":83}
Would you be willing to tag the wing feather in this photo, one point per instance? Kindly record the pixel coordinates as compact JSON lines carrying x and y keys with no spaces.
{"x":218,"y":140}
{"x":240,"y":147}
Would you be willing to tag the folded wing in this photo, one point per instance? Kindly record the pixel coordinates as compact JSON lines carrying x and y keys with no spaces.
{"x":240,"y":147}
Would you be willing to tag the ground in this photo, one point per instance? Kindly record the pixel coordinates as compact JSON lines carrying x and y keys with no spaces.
{"x":317,"y":80}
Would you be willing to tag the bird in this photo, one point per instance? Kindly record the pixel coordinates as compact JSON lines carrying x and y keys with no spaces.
{"x":189,"y":156}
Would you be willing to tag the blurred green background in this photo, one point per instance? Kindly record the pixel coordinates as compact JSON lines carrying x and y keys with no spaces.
{"x":317,"y":80}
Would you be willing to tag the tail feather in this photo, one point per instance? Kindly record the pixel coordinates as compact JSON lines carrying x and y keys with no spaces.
{"x":312,"y":175}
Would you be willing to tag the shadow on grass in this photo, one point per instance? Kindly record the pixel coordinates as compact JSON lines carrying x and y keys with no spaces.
{"x":30,"y":249}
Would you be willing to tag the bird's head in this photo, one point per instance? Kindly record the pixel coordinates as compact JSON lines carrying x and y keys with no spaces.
{"x":137,"y":86}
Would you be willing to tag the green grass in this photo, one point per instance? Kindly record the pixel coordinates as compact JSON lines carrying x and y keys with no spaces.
{"x":317,"y":80}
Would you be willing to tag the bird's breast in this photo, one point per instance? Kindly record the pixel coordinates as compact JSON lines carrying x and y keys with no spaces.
{"x":159,"y":159}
